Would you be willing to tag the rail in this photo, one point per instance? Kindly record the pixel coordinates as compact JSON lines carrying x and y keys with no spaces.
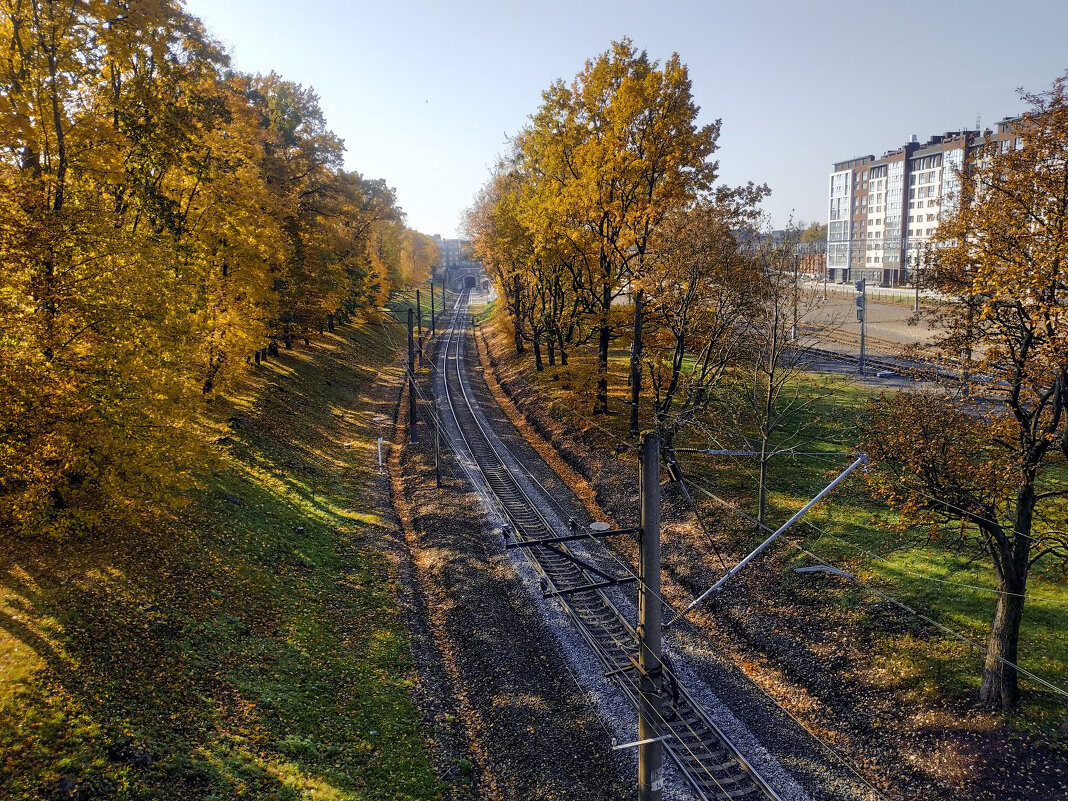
{"x":703,"y":754}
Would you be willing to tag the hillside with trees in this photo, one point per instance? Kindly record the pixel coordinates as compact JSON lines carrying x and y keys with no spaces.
{"x":162,"y":219}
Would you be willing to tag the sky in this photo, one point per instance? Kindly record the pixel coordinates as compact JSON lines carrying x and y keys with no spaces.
{"x":425,"y":94}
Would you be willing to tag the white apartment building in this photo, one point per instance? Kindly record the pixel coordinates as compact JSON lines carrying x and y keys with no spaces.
{"x":883,"y":212}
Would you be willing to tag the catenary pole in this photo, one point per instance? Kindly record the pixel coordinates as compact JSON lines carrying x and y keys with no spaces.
{"x":916,"y":281}
{"x":651,"y":751}
{"x":411,"y":379}
{"x":863,"y":322}
{"x":419,"y":321}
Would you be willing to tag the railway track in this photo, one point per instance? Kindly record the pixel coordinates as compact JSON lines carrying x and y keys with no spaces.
{"x":704,"y":756}
{"x":870,"y":362}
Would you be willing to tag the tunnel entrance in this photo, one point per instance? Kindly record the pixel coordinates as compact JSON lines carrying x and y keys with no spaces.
{"x":469,"y":282}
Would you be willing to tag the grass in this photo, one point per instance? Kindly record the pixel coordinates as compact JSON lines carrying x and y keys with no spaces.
{"x":250,"y":646}
{"x":855,"y":531}
{"x":935,"y":577}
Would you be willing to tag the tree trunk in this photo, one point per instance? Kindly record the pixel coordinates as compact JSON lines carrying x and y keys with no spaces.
{"x":215,"y":363}
{"x":537,"y":354}
{"x":550,"y":346}
{"x":636,"y":364}
{"x":563,"y":351}
{"x":517,"y":319}
{"x":762,"y":490}
{"x":1001,"y":687}
{"x":604,"y":339}
{"x":1001,"y":684}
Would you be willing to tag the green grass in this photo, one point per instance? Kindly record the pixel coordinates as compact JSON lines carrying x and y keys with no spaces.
{"x":856,"y":531}
{"x":224,"y":653}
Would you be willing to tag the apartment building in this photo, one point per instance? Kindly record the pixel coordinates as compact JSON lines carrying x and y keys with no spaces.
{"x":883,"y":212}
{"x":456,"y":264}
{"x":454,"y":253}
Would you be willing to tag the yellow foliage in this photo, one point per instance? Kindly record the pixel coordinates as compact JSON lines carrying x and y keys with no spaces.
{"x":160,"y":220}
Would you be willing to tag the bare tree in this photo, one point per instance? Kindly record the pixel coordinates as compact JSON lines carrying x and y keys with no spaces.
{"x":697,"y":282}
{"x":769,"y":396}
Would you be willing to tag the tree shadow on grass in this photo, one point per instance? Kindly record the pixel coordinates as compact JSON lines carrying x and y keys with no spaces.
{"x":249,"y":648}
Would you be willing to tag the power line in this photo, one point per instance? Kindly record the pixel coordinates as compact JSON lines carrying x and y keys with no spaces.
{"x":893,"y":600}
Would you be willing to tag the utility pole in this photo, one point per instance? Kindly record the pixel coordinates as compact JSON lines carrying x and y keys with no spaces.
{"x":862,"y":309}
{"x":411,"y":380}
{"x":419,"y":316}
{"x":916,"y":281}
{"x":437,"y":451}
{"x":650,"y":750}
{"x":636,"y":364}
{"x":797,"y":276}
{"x":433,"y":313}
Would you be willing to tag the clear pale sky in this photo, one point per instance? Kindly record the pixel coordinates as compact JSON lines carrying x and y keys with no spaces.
{"x":425,"y":93}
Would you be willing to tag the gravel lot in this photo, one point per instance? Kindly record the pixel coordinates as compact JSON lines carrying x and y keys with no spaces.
{"x":886,"y":321}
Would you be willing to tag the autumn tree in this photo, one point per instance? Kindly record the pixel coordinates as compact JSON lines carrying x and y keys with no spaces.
{"x":502,"y":244}
{"x":160,"y":217}
{"x":606,"y":158}
{"x":992,"y":473}
{"x":815,"y":232}
{"x":530,"y":272}
{"x":698,"y":283}
{"x":95,"y":279}
{"x":302,"y":161}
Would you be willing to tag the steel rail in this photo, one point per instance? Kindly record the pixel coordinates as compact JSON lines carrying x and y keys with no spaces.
{"x":701,"y":751}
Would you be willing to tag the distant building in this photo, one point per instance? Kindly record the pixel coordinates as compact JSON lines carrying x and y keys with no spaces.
{"x":456,"y":266}
{"x":883,"y":212}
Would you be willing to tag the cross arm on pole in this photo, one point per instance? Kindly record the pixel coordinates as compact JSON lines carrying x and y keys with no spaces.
{"x":571,"y":537}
